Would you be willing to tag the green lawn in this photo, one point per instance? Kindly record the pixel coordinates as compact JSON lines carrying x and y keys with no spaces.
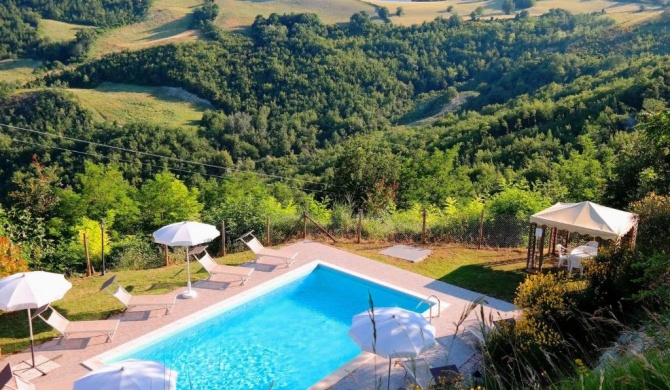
{"x":126,"y":103}
{"x":85,"y":302}
{"x":491,"y":272}
{"x":496,"y":273}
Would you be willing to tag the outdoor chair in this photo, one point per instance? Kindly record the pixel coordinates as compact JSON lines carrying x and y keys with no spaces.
{"x":68,"y":328}
{"x":214,"y":268}
{"x":575,"y":262}
{"x":563,"y":256}
{"x":261,"y":251}
{"x":6,"y":376}
{"x":593,"y":244}
{"x":424,"y":375}
{"x":130,"y":301}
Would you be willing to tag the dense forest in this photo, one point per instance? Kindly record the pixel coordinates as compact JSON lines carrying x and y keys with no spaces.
{"x":102,"y":13}
{"x":473,"y":123}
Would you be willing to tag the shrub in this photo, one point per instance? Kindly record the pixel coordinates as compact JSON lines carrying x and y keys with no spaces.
{"x":614,"y":280}
{"x":653,"y":233}
{"x":134,"y":253}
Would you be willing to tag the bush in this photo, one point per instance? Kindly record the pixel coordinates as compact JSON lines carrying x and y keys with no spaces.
{"x":134,"y":253}
{"x":653,"y":233}
{"x":614,"y":280}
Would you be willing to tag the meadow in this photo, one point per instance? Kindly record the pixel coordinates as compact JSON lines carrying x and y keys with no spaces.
{"x":125,"y":103}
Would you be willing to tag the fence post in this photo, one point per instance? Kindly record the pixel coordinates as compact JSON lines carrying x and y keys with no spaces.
{"x":88,"y":258}
{"x":223,"y":238}
{"x":360,"y":225}
{"x":481,"y":230}
{"x":423,"y":228}
{"x":267,"y":232}
{"x":304,"y":225}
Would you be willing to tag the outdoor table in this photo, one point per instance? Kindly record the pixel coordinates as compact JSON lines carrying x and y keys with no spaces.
{"x":579,"y":253}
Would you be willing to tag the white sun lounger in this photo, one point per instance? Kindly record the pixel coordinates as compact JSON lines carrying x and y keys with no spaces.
{"x":130,"y":301}
{"x":261,"y":251}
{"x":6,"y":376}
{"x":68,"y":328}
{"x":214,"y":268}
{"x":424,"y":375}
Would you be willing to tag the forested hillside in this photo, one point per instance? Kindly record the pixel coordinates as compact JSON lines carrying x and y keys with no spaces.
{"x":103,"y":13}
{"x":553,"y":108}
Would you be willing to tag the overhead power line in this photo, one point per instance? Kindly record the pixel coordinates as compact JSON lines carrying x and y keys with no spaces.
{"x":225,"y":169}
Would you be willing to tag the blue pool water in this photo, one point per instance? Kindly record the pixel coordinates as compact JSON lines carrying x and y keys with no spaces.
{"x":288,"y":338}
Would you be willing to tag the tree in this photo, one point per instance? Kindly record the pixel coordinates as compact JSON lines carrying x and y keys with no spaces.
{"x":36,"y":190}
{"x":11,"y":260}
{"x":106,"y":194}
{"x":383,"y":13}
{"x":165,"y":199}
{"x":399,"y":11}
{"x":508,"y":7}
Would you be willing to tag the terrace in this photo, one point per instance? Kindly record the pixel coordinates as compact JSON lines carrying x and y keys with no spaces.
{"x":359,"y":374}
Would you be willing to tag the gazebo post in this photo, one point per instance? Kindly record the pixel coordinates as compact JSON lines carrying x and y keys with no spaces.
{"x":567,"y":237}
{"x":544,"y":230}
{"x":531,"y":246}
{"x":552,"y":243}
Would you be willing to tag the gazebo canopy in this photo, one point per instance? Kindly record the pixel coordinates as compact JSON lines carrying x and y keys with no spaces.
{"x":587,"y":218}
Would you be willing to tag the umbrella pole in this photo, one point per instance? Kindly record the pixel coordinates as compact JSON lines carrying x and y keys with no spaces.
{"x":388,"y":379}
{"x":188,"y":272}
{"x":32,"y":341}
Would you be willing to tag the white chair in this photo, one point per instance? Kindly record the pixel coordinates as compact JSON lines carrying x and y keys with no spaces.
{"x":214,"y":268}
{"x":575,"y":262}
{"x":6,"y":375}
{"x":562,"y":255}
{"x":130,"y":301}
{"x":593,"y":244}
{"x":261,"y":251}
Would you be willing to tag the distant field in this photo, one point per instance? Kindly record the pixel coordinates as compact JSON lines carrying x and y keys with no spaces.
{"x":18,"y":70}
{"x":241,"y":13}
{"x":167,"y":20}
{"x":58,"y":31}
{"x":236,"y":14}
{"x":130,"y":103}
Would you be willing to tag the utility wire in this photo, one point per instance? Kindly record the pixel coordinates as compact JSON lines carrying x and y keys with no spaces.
{"x":143,"y":163}
{"x":156,"y":155}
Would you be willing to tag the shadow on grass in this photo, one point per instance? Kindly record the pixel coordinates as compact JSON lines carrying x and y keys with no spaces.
{"x":469,"y":282}
{"x":170,"y":29}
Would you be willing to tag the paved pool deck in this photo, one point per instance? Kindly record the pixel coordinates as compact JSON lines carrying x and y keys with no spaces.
{"x":451,"y":348}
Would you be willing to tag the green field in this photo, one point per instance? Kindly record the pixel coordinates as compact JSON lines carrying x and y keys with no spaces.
{"x":58,"y":31}
{"x":166,"y":21}
{"x":130,"y":103}
{"x":18,"y":70}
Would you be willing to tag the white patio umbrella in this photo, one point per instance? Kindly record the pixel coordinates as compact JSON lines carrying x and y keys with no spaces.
{"x":392,"y":332}
{"x":129,"y":374}
{"x":30,"y":290}
{"x":186,"y":234}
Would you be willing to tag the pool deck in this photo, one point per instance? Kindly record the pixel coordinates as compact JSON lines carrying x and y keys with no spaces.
{"x":451,"y":347}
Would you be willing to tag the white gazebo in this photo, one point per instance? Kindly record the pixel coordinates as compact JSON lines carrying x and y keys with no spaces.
{"x":584,"y":218}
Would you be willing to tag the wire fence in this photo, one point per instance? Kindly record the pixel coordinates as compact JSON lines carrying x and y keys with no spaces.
{"x":477,"y":231}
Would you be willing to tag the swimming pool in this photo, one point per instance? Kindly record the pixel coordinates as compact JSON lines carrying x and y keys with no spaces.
{"x":287,"y":338}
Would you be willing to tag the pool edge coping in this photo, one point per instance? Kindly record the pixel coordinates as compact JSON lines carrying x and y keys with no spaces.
{"x":246,"y":296}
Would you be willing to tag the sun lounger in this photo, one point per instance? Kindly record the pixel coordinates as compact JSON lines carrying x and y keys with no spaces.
{"x":68,"y":328}
{"x":424,"y":375}
{"x":214,"y":268}
{"x":6,"y":375}
{"x":130,"y":301}
{"x":261,"y":251}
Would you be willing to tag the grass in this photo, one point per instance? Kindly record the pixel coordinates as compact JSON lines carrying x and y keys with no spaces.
{"x":166,"y":21}
{"x":85,"y":302}
{"x":20,"y":71}
{"x":125,"y":103}
{"x":58,"y":31}
{"x":169,"y":20}
{"x":496,"y":273}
